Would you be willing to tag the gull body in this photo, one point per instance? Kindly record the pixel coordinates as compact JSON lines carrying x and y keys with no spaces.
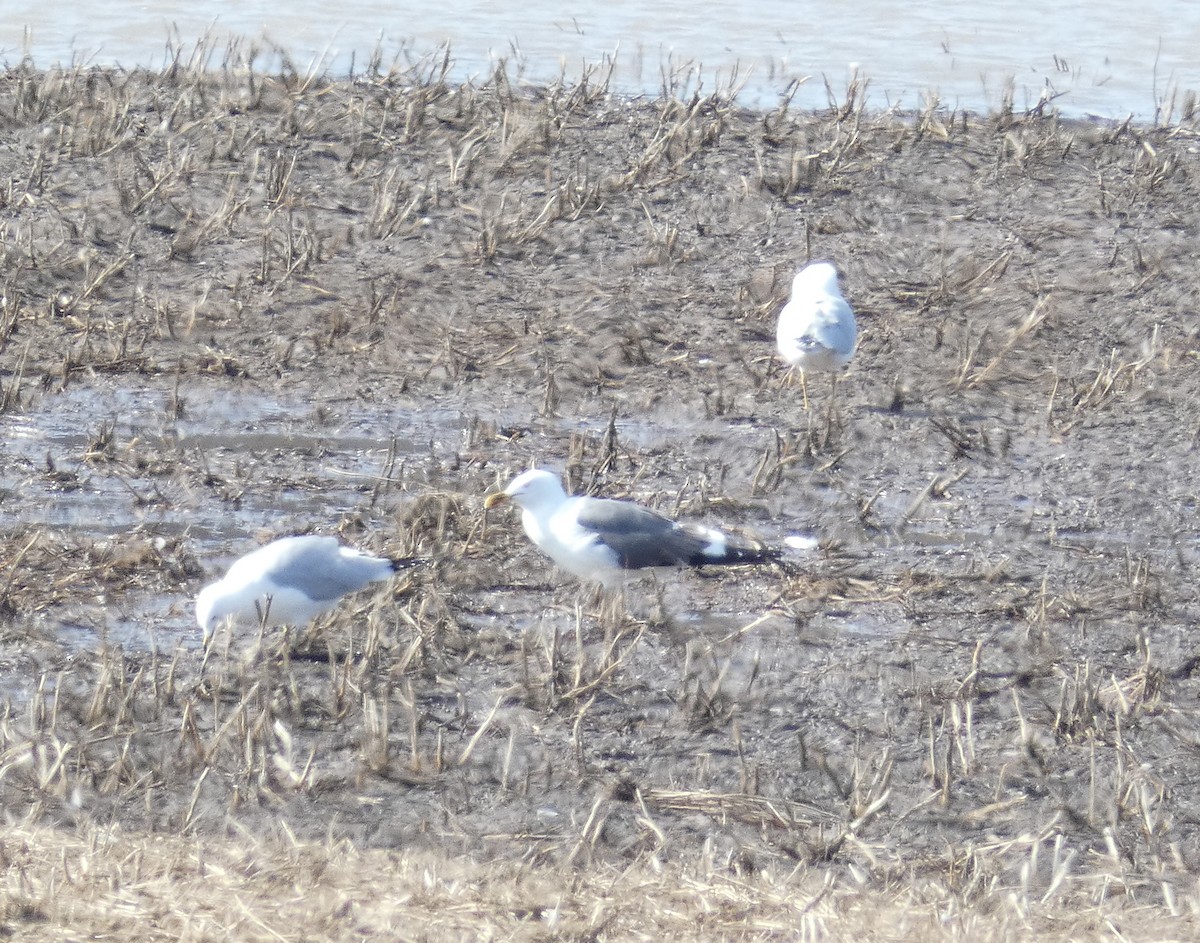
{"x":601,"y":538}
{"x":816,"y":330}
{"x":291,"y":580}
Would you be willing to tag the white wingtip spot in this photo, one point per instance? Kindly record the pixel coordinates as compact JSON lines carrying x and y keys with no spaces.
{"x":718,"y":546}
{"x":800,"y":542}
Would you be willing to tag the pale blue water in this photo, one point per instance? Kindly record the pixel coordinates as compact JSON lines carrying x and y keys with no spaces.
{"x":1108,"y":59}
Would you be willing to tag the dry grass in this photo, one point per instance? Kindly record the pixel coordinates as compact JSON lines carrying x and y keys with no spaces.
{"x":105,"y":883}
{"x":969,"y":716}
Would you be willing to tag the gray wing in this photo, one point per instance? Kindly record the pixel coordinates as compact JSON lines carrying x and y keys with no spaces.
{"x":834,"y":327}
{"x":638,"y":536}
{"x":316,"y":567}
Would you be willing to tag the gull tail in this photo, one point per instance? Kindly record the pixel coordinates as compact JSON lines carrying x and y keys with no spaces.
{"x":723,"y":550}
{"x":746,"y":552}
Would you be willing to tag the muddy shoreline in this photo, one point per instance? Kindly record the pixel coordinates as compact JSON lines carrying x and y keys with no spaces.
{"x":236,"y":306}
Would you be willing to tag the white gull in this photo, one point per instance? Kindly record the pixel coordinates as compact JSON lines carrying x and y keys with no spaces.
{"x":291,"y":580}
{"x":816,"y":330}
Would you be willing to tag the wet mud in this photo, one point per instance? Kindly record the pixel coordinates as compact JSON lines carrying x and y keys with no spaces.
{"x":237,"y":306}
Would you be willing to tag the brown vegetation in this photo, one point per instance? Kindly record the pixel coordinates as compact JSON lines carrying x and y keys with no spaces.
{"x":235,"y":303}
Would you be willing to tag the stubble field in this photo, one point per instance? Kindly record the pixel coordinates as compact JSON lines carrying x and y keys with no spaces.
{"x":238,"y":305}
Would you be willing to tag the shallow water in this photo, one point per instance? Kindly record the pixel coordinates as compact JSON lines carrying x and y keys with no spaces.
{"x":964,"y":53}
{"x":335,"y":453}
{"x":210,"y":464}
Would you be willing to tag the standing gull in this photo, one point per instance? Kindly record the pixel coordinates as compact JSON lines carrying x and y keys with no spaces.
{"x":291,"y":580}
{"x":816,"y":327}
{"x":599,"y":538}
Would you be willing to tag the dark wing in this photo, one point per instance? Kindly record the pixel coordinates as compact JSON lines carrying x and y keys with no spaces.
{"x":641,"y":537}
{"x":638,"y":536}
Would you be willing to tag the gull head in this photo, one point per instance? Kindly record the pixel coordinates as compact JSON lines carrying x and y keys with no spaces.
{"x":531,"y":491}
{"x":817,"y":277}
{"x":212,"y":605}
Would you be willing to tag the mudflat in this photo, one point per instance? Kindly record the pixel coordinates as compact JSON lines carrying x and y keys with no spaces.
{"x":236,"y":306}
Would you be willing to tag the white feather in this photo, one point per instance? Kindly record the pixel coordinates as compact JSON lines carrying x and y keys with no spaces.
{"x":291,"y":580}
{"x":816,"y":330}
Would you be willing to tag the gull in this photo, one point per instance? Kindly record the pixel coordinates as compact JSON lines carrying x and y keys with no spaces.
{"x":291,"y":580}
{"x":816,"y":330}
{"x":601,"y":538}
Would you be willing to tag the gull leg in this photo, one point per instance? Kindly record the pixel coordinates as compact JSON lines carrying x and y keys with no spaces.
{"x":789,"y":379}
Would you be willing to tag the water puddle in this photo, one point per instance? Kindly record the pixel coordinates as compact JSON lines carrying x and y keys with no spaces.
{"x":206,"y":467}
{"x":103,"y":459}
{"x":214,"y":468}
